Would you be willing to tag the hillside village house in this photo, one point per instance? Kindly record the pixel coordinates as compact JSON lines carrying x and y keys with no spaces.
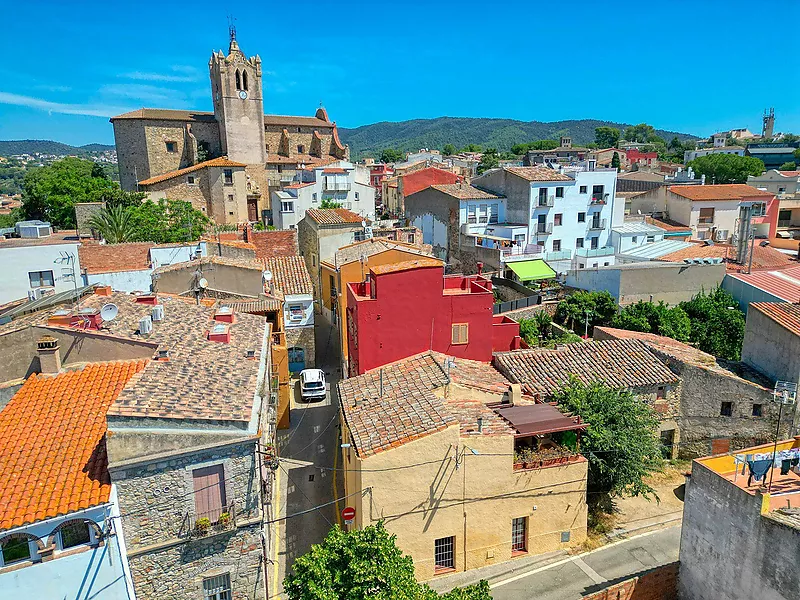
{"x":712,"y":211}
{"x":186,"y":434}
{"x":351,"y":264}
{"x":443,"y":429}
{"x":772,"y":340}
{"x":404,"y":308}
{"x":779,"y":285}
{"x":786,"y":186}
{"x":343,"y":183}
{"x":226,"y":162}
{"x":36,"y":267}
{"x":412,"y":182}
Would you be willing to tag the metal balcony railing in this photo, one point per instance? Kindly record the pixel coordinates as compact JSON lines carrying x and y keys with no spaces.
{"x":544,"y":228}
{"x":594,"y":252}
{"x":597,"y":224}
{"x":546,"y":202}
{"x":211,"y":522}
{"x":599,"y":199}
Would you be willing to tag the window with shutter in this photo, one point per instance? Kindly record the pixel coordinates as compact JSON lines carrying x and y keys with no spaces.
{"x":209,"y":492}
{"x":460,"y":333}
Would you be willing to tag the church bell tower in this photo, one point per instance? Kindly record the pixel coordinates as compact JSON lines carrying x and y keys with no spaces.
{"x":238,"y":103}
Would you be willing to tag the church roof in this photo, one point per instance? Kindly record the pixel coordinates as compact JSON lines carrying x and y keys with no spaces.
{"x":163,"y":114}
{"x":214,"y":162}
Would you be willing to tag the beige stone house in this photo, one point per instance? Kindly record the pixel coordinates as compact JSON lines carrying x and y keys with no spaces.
{"x":459,"y":465}
{"x":227,"y":162}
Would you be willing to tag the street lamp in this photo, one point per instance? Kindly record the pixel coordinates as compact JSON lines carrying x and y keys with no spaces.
{"x":784,"y":394}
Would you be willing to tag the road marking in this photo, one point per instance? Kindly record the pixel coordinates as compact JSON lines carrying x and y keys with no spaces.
{"x":593,"y":575}
{"x":570,"y":559}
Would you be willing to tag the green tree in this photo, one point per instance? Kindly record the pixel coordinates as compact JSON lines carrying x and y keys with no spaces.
{"x":114,"y":224}
{"x":621,"y":443}
{"x":166,"y":221}
{"x":119,"y":197}
{"x":51,"y":192}
{"x":11,"y":218}
{"x":489,"y":160}
{"x":360,"y":565}
{"x":788,"y":166}
{"x":726,"y":168}
{"x":654,"y":318}
{"x":606,"y":137}
{"x":640,"y":133}
{"x":449,"y":149}
{"x":717,"y":324}
{"x":615,"y":163}
{"x":390,"y":155}
{"x":797,"y":154}
{"x":600,"y":306}
{"x":327,"y":203}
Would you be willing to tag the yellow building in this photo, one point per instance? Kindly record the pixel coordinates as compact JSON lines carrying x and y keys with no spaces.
{"x":351,"y":264}
{"x":459,"y":465}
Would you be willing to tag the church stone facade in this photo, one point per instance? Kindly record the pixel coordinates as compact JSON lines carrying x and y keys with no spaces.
{"x":227,"y":162}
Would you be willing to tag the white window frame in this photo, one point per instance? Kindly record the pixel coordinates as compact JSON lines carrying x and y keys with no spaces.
{"x":287,"y":206}
{"x":472,"y":214}
{"x":483,"y":214}
{"x":222,"y":591}
{"x":92,"y":539}
{"x":41,"y":284}
{"x":191,"y":179}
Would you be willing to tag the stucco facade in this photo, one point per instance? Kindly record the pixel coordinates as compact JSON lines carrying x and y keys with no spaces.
{"x":35,"y":266}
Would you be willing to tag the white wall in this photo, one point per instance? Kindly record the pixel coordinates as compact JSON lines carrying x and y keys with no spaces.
{"x":169,"y":255}
{"x":18,"y":261}
{"x":306,"y":301}
{"x":623,"y":242}
{"x":123,"y":281}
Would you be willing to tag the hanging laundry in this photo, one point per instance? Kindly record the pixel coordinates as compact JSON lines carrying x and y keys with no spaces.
{"x":758,"y":469}
{"x":786,"y":465}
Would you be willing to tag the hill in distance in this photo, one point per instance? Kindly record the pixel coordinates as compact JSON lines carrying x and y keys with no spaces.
{"x":9,"y":147}
{"x":460,"y":131}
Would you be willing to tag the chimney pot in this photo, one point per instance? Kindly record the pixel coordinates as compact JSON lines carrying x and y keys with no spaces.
{"x":514,"y":394}
{"x":49,"y":355}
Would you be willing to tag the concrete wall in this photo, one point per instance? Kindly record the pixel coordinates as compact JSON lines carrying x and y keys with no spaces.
{"x":729,"y":549}
{"x":123,"y":281}
{"x":321,"y":243}
{"x":19,"y":261}
{"x":653,"y":201}
{"x":165,"y":563}
{"x":771,"y":348}
{"x":234,"y":280}
{"x":672,"y":283}
{"x":303,"y":337}
{"x":80,"y":572}
{"x":430,"y":507}
{"x":746,"y":293}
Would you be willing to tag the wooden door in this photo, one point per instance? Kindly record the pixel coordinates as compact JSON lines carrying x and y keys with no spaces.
{"x":209,"y":492}
{"x":252,"y":209}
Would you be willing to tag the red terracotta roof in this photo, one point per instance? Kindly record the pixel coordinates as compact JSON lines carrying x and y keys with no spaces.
{"x":296,"y":186}
{"x":538,"y":174}
{"x":783,"y":284}
{"x":407,"y":265}
{"x":274,"y":242}
{"x":463,"y":191}
{"x":334,"y":170}
{"x":421,"y":179}
{"x":290,"y":274}
{"x":667,"y":224}
{"x":214,"y":162}
{"x":112,"y":258}
{"x":783,"y":313}
{"x":764,"y":257}
{"x":728,"y":191}
{"x":333,"y":216}
{"x":52,"y":442}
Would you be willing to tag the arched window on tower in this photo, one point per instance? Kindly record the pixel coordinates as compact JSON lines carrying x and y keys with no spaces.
{"x":244,"y":79}
{"x":238,"y":80}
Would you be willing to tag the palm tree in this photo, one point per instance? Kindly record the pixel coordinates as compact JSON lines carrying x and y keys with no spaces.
{"x":114,"y":224}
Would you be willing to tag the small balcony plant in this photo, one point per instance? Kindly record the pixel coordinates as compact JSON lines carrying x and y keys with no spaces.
{"x":202,"y":525}
{"x":224,"y":520}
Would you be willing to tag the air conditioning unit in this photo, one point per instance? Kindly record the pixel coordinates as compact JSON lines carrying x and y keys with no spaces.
{"x":722,"y":235}
{"x":40,"y":293}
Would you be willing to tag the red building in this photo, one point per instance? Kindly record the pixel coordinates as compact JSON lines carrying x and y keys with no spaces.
{"x":409,"y":307}
{"x":379,"y":172}
{"x":642,"y":158}
{"x":419,"y":180}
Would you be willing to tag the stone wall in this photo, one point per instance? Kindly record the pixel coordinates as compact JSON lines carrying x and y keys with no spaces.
{"x":226,"y":249}
{"x":303,"y":337}
{"x":156,"y":500}
{"x":771,"y":348}
{"x":84,"y":211}
{"x":178,"y":188}
{"x":657,"y":584}
{"x":729,"y":549}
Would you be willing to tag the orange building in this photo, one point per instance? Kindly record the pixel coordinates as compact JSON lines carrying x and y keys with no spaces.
{"x":351,"y":264}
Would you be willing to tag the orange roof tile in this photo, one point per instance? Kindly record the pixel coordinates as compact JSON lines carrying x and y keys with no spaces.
{"x":333,"y":216}
{"x":52,"y":442}
{"x":728,"y":191}
{"x":407,"y":265}
{"x":764,"y":257}
{"x":538,"y":173}
{"x":784,"y":314}
{"x":112,"y":258}
{"x":214,"y":162}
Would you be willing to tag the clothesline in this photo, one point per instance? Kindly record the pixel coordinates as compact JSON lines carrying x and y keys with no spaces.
{"x":780,"y":456}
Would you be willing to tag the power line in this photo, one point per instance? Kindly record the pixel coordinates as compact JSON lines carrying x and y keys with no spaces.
{"x":310,"y":501}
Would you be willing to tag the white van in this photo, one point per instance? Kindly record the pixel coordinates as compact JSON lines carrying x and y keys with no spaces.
{"x":312,"y":384}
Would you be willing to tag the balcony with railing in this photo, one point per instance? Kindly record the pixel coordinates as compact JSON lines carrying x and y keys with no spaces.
{"x":211,"y":522}
{"x":548,"y":202}
{"x":336,"y":186}
{"x":595,"y":252}
{"x":598,"y":200}
{"x":526,"y":252}
{"x":597,"y":224}
{"x":544,"y":228}
{"x":558,"y":255}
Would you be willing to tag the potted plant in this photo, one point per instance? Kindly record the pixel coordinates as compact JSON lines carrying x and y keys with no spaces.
{"x":202,"y":525}
{"x":224,"y":520}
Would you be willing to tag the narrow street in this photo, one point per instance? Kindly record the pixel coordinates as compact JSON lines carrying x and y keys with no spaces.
{"x":305,"y":478}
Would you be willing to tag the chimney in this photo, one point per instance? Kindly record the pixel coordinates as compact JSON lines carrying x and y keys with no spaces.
{"x":480,"y":268}
{"x":49,"y":355}
{"x":514,"y":394}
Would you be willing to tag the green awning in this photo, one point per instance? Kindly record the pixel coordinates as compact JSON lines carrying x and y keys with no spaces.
{"x":531,"y":270}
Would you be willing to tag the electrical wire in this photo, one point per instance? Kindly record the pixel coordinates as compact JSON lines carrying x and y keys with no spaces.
{"x":310,"y":501}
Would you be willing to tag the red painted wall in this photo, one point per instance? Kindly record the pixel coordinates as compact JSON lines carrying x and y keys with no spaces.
{"x":419,"y":180}
{"x":773,"y":206}
{"x":408,"y":313}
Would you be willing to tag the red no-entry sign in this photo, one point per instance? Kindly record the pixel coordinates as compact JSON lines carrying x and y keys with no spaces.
{"x":348,"y":513}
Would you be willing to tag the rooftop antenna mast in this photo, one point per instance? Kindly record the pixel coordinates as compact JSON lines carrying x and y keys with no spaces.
{"x":231,"y":28}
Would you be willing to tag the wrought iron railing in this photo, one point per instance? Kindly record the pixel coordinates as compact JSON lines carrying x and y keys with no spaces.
{"x":218,"y":520}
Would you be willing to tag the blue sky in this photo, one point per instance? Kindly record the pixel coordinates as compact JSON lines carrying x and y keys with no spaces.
{"x":686,"y":66}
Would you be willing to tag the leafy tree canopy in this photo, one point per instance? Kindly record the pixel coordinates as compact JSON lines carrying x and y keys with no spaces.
{"x":606,"y":137}
{"x":788,"y":166}
{"x":642,"y":133}
{"x":489,"y":160}
{"x":166,"y":221}
{"x":473,"y":148}
{"x":797,"y":154}
{"x":717,"y":324}
{"x":326,"y":203}
{"x":726,"y":168}
{"x":51,"y":192}
{"x":601,"y":308}
{"x":659,"y":319}
{"x":620,"y":444}
{"x":615,"y":162}
{"x":391,"y":155}
{"x":522,"y":149}
{"x":449,"y":149}
{"x":360,"y":565}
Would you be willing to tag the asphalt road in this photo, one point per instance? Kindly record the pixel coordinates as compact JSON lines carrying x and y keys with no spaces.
{"x":310,"y":443}
{"x":573,"y":577}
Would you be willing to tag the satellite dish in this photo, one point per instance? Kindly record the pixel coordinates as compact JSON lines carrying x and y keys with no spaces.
{"x":109,"y":312}
{"x":203,"y":283}
{"x":363,"y":223}
{"x":638,"y":211}
{"x":267,"y":275}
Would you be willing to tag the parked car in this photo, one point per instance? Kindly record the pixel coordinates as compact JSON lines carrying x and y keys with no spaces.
{"x":312,"y":384}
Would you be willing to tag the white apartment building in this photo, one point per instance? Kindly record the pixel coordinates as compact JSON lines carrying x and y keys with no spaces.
{"x":342,"y":182}
{"x":698,"y":152}
{"x":36,"y":267}
{"x":569,"y":212}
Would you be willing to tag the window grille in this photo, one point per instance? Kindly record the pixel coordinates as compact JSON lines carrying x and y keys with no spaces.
{"x":519,"y":537}
{"x":444,"y":553}
{"x":217,"y":588}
